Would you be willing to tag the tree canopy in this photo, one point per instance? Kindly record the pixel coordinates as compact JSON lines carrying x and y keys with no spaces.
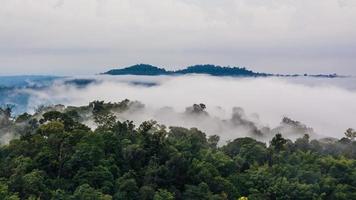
{"x":61,"y":158}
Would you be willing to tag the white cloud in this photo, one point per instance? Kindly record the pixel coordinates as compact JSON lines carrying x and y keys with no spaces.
{"x":52,"y":36}
{"x":321,"y":104}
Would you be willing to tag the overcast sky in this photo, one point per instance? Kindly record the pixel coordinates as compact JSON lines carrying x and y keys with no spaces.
{"x":91,"y":36}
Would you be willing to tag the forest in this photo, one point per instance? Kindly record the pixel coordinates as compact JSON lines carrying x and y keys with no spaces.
{"x":207,"y":69}
{"x":55,"y":155}
{"x":214,"y":70}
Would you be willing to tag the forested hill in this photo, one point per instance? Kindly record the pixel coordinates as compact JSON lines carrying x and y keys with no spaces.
{"x":214,"y":70}
{"x":57,"y":157}
{"x":140,"y":69}
{"x":144,"y":69}
{"x":218,"y":71}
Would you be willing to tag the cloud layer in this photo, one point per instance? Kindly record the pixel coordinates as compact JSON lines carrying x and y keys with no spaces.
{"x":90,"y":36}
{"x":327,"y":108}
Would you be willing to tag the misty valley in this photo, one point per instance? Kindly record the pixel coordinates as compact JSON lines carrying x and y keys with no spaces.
{"x":177,"y":137}
{"x":177,"y":100}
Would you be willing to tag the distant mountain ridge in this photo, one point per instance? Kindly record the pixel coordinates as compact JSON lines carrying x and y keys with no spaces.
{"x":209,"y":69}
{"x":215,"y":70}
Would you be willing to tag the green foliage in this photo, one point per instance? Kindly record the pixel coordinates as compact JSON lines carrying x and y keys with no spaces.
{"x":278,"y":142}
{"x":162,"y":194}
{"x":85,"y":192}
{"x":62,"y":159}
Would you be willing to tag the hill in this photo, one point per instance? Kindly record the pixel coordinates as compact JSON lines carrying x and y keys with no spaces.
{"x":214,"y":70}
{"x":218,"y":71}
{"x":140,"y":69}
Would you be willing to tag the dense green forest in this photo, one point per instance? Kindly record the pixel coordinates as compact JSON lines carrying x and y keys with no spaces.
{"x":209,"y":69}
{"x":56,"y":156}
{"x":214,"y":70}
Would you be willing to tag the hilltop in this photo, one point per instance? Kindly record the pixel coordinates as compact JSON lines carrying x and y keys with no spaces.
{"x":139,"y":69}
{"x":214,"y":70}
{"x":209,"y":69}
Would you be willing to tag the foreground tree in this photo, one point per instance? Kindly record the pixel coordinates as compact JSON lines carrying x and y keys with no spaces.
{"x":351,"y":134}
{"x":60,"y":158}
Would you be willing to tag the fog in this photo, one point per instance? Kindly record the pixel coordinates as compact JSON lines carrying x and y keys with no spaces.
{"x":235,"y":107}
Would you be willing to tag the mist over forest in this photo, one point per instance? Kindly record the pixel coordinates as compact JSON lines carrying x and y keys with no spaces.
{"x":241,"y":100}
{"x":193,"y":136}
{"x":325,"y":105}
{"x":177,"y":137}
{"x":95,"y":151}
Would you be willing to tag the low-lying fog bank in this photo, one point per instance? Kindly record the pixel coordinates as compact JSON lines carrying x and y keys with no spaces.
{"x":234,"y":106}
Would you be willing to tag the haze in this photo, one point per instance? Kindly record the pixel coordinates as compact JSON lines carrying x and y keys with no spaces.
{"x":327,"y":108}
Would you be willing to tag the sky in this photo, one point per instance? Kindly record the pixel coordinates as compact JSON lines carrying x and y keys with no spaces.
{"x":78,"y":37}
